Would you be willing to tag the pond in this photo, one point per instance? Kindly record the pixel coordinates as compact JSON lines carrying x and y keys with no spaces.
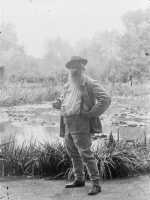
{"x":29,"y":122}
{"x":41,"y":122}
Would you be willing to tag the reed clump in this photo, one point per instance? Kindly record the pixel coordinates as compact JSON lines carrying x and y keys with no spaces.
{"x":51,"y":159}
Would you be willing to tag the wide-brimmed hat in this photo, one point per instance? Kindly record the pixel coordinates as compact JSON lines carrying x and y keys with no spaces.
{"x":74,"y":60}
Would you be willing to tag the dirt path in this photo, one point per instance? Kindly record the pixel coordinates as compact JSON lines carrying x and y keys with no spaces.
{"x":137,"y":188}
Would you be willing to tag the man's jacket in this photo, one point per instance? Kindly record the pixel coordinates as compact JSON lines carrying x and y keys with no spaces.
{"x":96,"y":100}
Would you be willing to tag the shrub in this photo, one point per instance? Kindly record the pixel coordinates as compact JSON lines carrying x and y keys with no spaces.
{"x":50,"y":159}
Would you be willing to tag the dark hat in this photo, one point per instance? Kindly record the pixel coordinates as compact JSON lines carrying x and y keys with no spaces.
{"x":76,"y":59}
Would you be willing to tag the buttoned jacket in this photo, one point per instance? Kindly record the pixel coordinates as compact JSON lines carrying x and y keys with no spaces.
{"x":95,"y":100}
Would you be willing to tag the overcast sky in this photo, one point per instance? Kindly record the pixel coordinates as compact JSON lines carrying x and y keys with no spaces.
{"x":36,"y":21}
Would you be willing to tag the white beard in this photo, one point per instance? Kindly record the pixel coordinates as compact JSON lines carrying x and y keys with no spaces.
{"x":76,"y":80}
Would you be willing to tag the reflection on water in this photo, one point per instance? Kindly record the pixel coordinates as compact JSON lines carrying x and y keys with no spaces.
{"x":41,"y":122}
{"x":27,"y":132}
{"x":29,"y":122}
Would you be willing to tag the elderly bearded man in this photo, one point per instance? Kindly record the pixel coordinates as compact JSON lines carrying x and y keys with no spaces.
{"x":83,"y":102}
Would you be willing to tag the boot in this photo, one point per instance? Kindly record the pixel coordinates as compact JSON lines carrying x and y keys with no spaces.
{"x":96,"y":188}
{"x":75,"y":183}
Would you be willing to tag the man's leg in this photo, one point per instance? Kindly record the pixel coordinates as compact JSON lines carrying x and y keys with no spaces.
{"x":78,"y":167}
{"x":83,"y":143}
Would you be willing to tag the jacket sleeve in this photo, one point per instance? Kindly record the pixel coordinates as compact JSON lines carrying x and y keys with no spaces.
{"x":103,"y":100}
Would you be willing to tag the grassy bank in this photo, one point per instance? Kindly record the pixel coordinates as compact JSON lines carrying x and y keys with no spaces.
{"x":17,"y":93}
{"x":50,"y":159}
{"x":27,"y":93}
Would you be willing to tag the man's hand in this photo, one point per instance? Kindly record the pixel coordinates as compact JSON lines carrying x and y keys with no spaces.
{"x":57,"y":104}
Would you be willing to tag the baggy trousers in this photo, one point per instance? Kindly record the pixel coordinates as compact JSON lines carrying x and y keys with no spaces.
{"x":78,"y":146}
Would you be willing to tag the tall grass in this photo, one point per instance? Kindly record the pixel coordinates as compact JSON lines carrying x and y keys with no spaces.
{"x":17,"y":93}
{"x":14,"y":93}
{"x":125,"y":89}
{"x":51,"y":159}
{"x":120,"y":160}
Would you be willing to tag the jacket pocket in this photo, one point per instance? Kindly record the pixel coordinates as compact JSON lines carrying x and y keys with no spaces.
{"x":95,"y":125}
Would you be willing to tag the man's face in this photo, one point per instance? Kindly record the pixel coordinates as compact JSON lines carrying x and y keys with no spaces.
{"x":75,"y":71}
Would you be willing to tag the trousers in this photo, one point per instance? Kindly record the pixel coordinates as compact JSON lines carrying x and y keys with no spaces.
{"x":78,"y":147}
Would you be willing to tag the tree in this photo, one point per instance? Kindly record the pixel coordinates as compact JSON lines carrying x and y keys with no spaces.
{"x":135,"y":44}
{"x":58,"y":53}
{"x":13,"y":56}
{"x":102,"y":53}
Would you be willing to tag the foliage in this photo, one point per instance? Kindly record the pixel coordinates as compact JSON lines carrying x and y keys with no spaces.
{"x":134,"y":44}
{"x":23,"y":93}
{"x":47,"y":89}
{"x":111,"y":56}
{"x":116,"y":161}
{"x":51,"y":159}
